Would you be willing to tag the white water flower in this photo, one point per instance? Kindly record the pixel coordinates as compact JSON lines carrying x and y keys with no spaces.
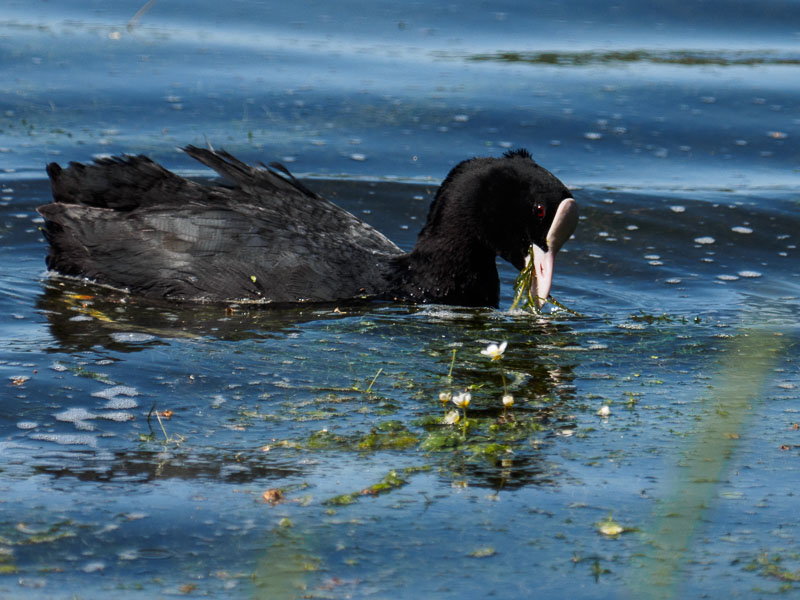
{"x":508,"y":400}
{"x":604,"y":411}
{"x":445,"y":397}
{"x":494,"y":351}
{"x":452,"y":417}
{"x":462,"y":399}
{"x":610,"y":528}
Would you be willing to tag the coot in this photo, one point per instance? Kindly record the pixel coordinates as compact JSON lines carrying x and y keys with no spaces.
{"x":129,"y":223}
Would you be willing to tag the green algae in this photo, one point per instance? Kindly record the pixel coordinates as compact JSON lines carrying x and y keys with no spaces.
{"x":393,"y":480}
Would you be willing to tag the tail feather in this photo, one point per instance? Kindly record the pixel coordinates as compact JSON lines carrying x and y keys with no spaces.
{"x":247,"y":177}
{"x":120,"y":183}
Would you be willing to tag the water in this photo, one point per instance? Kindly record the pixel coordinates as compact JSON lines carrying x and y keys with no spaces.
{"x":675,"y":124}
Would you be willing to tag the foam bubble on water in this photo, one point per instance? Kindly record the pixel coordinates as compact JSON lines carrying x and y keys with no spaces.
{"x":672,"y":281}
{"x":597,"y":346}
{"x":704,"y":240}
{"x":27,"y":425}
{"x":749,"y":274}
{"x":117,"y":390}
{"x":631,"y":326}
{"x":741,"y":229}
{"x":58,"y":367}
{"x":66,"y":439}
{"x":120,"y":404}
{"x":632,"y":227}
{"x":677,"y":209}
{"x":655,"y":263}
{"x":131,"y":337}
{"x":728,"y":277}
{"x":118,"y":416}
{"x":73,"y":415}
{"x":94,"y":567}
{"x":593,"y":135}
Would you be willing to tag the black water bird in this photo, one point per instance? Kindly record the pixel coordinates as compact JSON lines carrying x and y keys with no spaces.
{"x":129,"y":223}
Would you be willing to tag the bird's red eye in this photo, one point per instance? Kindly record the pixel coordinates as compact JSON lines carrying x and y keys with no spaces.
{"x":540,"y":211}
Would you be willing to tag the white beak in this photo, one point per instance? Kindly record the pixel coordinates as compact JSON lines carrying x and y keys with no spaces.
{"x":563,"y":227}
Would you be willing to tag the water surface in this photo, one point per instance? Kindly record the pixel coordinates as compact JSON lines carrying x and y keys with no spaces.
{"x":143,"y":444}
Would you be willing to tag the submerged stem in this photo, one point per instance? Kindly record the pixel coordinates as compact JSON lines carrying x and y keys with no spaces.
{"x":369,"y":387}
{"x":164,"y":431}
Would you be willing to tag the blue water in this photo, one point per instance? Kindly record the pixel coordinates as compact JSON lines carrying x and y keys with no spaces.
{"x":676,"y":124}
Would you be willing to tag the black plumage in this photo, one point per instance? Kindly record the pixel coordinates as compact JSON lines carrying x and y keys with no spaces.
{"x":129,"y":223}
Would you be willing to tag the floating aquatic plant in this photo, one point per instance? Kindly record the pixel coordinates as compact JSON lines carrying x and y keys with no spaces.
{"x":523,"y":296}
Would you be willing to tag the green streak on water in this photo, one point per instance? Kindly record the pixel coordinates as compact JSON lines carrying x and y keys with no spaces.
{"x":676,"y":57}
{"x":744,"y":373}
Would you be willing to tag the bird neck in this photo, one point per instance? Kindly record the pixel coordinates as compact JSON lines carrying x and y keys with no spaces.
{"x":441,"y":271}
